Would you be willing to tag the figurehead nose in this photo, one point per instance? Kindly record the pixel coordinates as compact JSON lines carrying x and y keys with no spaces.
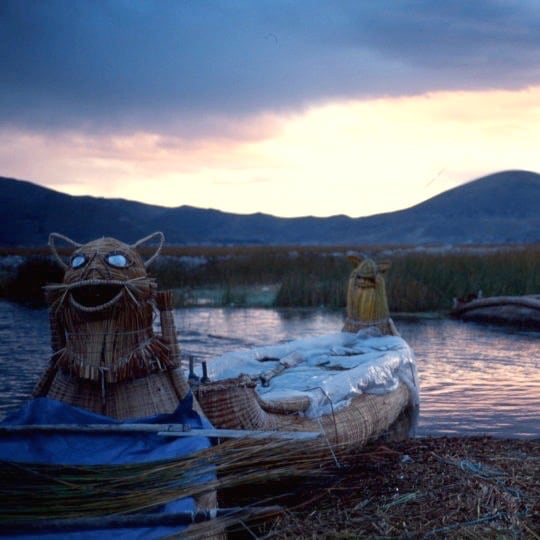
{"x":95,"y":269}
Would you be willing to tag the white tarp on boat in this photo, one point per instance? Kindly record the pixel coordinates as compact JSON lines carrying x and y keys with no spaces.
{"x":329,"y":369}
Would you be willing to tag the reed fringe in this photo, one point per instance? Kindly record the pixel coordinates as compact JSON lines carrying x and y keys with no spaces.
{"x":152,"y":356}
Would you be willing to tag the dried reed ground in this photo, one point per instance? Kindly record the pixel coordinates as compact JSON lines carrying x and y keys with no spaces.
{"x":476,"y":488}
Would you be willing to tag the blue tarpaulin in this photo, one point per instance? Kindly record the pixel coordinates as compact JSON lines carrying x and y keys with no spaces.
{"x":72,"y":448}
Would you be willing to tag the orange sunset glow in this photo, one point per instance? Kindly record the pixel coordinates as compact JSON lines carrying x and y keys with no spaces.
{"x":264,"y":115}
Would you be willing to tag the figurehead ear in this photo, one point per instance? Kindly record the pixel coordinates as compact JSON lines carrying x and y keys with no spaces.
{"x":383,"y":266}
{"x":52,"y":245}
{"x":355,"y":258}
{"x":147,"y":239}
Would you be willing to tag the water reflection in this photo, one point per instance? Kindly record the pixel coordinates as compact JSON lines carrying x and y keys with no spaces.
{"x":24,"y":352}
{"x":474,"y":378}
{"x":209,"y":332}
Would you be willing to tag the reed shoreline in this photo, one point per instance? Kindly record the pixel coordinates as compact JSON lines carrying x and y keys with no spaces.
{"x":447,"y":487}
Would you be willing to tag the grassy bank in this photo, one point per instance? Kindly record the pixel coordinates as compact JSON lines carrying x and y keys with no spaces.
{"x":419,"y":279}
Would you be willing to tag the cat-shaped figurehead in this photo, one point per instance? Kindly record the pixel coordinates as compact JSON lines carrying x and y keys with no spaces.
{"x":367,"y":305}
{"x":103,"y":273}
{"x":106,"y":356}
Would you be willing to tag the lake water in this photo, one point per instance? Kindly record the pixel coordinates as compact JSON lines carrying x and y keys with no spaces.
{"x":475,"y":379}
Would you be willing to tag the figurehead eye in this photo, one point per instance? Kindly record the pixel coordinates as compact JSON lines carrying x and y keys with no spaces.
{"x":118,"y":260}
{"x":77,"y":261}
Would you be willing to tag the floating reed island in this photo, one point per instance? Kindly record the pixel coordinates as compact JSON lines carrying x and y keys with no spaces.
{"x":308,"y":439}
{"x":421,"y":278}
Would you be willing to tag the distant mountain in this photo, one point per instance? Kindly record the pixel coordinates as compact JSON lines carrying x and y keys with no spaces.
{"x":499,"y":208}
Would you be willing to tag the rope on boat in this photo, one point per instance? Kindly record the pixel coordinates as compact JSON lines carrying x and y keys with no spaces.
{"x":327,"y":396}
{"x":323,"y":431}
{"x":329,"y":444}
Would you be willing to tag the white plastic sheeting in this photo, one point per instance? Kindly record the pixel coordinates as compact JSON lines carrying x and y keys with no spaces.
{"x":329,"y":369}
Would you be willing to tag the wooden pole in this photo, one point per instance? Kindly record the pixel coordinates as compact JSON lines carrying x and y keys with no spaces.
{"x":167,"y":430}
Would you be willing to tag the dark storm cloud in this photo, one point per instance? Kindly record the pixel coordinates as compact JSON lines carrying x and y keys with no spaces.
{"x":135,"y":63}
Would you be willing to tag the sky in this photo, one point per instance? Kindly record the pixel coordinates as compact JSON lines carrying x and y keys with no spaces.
{"x":291,"y":108}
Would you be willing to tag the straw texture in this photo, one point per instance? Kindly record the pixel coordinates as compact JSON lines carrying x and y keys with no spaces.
{"x":367,"y":304}
{"x":234,"y":404}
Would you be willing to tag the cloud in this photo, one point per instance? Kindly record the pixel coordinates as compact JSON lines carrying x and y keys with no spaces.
{"x":191,"y":68}
{"x":356,"y":157}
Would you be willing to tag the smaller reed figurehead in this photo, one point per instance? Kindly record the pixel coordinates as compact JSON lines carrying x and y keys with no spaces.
{"x":367,"y":305}
{"x":106,"y":356}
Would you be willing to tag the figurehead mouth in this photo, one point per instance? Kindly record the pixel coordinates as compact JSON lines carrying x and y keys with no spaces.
{"x":363,"y":282}
{"x":95,"y":295}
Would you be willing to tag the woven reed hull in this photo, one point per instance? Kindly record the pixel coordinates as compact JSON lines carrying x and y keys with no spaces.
{"x":234,"y":404}
{"x":154,"y":394}
{"x":516,"y":310}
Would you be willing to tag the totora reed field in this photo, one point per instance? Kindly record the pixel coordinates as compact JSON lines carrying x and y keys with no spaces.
{"x":419,"y":279}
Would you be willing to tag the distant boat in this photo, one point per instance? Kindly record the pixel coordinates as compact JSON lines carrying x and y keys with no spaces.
{"x":523,"y":311}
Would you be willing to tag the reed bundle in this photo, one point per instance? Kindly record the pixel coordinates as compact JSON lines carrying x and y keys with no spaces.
{"x":422,"y":488}
{"x":38,"y":491}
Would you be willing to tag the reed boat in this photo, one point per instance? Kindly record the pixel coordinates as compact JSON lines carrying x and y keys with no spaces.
{"x":523,"y":311}
{"x":88,"y":455}
{"x":354,"y":385}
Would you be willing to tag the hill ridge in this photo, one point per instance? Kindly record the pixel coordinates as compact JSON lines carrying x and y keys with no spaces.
{"x":497,"y":208}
